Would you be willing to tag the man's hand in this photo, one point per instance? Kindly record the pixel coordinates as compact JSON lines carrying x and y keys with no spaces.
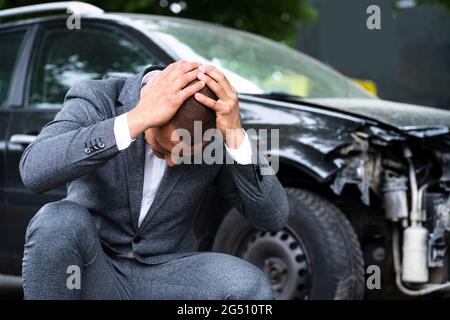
{"x":228,"y":120}
{"x":160,"y":99}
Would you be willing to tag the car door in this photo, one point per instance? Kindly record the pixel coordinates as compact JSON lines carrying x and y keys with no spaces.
{"x":11,"y":40}
{"x":61,"y":58}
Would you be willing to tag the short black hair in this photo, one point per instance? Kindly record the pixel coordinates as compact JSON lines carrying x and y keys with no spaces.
{"x":191,"y":110}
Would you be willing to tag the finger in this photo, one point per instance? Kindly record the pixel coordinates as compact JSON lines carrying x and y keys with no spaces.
{"x":176,"y":64}
{"x":214,"y":86}
{"x":179,"y":70}
{"x":187,"y":66}
{"x":185,"y":79}
{"x":207,"y":101}
{"x":172,"y":66}
{"x":219,"y":77}
{"x":190,"y":90}
{"x":215,"y":73}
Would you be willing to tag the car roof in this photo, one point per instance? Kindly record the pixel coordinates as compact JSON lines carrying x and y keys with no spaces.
{"x":157,"y":18}
{"x":56,"y":11}
{"x":112,"y":16}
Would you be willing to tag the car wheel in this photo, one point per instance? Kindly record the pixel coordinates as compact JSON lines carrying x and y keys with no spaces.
{"x":316,"y":256}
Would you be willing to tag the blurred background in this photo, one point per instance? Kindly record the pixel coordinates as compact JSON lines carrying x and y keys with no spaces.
{"x":408,"y":60}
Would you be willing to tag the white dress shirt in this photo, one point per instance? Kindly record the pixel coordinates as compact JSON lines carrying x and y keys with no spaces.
{"x":154,"y":167}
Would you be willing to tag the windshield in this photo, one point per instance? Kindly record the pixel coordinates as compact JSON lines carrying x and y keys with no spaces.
{"x":254,"y":65}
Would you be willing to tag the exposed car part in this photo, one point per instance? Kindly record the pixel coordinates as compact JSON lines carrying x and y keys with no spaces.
{"x":318,"y":251}
{"x":414,"y":266}
{"x":421,"y":268}
{"x":442,"y":212}
{"x":439,"y":208}
{"x":395,"y":197}
{"x":420,"y":252}
{"x":437,"y":248}
{"x":424,"y":290}
{"x":415,"y":237}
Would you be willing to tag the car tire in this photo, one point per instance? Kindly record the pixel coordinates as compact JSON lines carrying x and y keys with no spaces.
{"x":316,"y":256}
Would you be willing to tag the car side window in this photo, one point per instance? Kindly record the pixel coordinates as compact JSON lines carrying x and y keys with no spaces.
{"x":66,"y":57}
{"x":9,"y":49}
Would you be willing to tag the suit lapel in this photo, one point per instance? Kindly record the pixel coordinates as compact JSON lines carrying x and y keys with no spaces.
{"x":135,"y":153}
{"x":168,"y":182}
{"x":134,"y":163}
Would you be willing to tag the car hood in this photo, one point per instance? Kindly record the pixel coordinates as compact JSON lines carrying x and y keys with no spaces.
{"x":417,"y":120}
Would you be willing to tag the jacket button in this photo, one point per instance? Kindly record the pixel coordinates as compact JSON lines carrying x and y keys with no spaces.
{"x":137,"y":239}
{"x":101,"y":145}
{"x":88,"y":151}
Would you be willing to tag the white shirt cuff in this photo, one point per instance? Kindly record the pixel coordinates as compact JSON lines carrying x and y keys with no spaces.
{"x":122,"y":132}
{"x":243,"y":154}
{"x":148,"y":77}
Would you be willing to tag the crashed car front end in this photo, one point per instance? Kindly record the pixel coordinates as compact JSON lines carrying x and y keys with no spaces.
{"x":390,"y":177}
{"x":409,"y":173}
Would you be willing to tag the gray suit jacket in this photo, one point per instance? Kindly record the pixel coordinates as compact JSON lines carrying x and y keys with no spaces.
{"x":78,"y":148}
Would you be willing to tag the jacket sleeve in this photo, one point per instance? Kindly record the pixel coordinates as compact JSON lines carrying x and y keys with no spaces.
{"x":78,"y":140}
{"x":255,"y":191}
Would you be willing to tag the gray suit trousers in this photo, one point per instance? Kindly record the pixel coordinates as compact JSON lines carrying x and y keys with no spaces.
{"x":64,"y":259}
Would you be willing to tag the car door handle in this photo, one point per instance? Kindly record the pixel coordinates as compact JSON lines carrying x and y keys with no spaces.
{"x":22,"y":138}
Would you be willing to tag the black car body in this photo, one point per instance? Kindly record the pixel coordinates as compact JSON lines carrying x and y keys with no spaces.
{"x":363,"y":176}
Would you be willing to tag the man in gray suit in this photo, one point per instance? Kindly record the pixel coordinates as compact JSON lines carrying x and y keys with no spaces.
{"x":125,"y":229}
